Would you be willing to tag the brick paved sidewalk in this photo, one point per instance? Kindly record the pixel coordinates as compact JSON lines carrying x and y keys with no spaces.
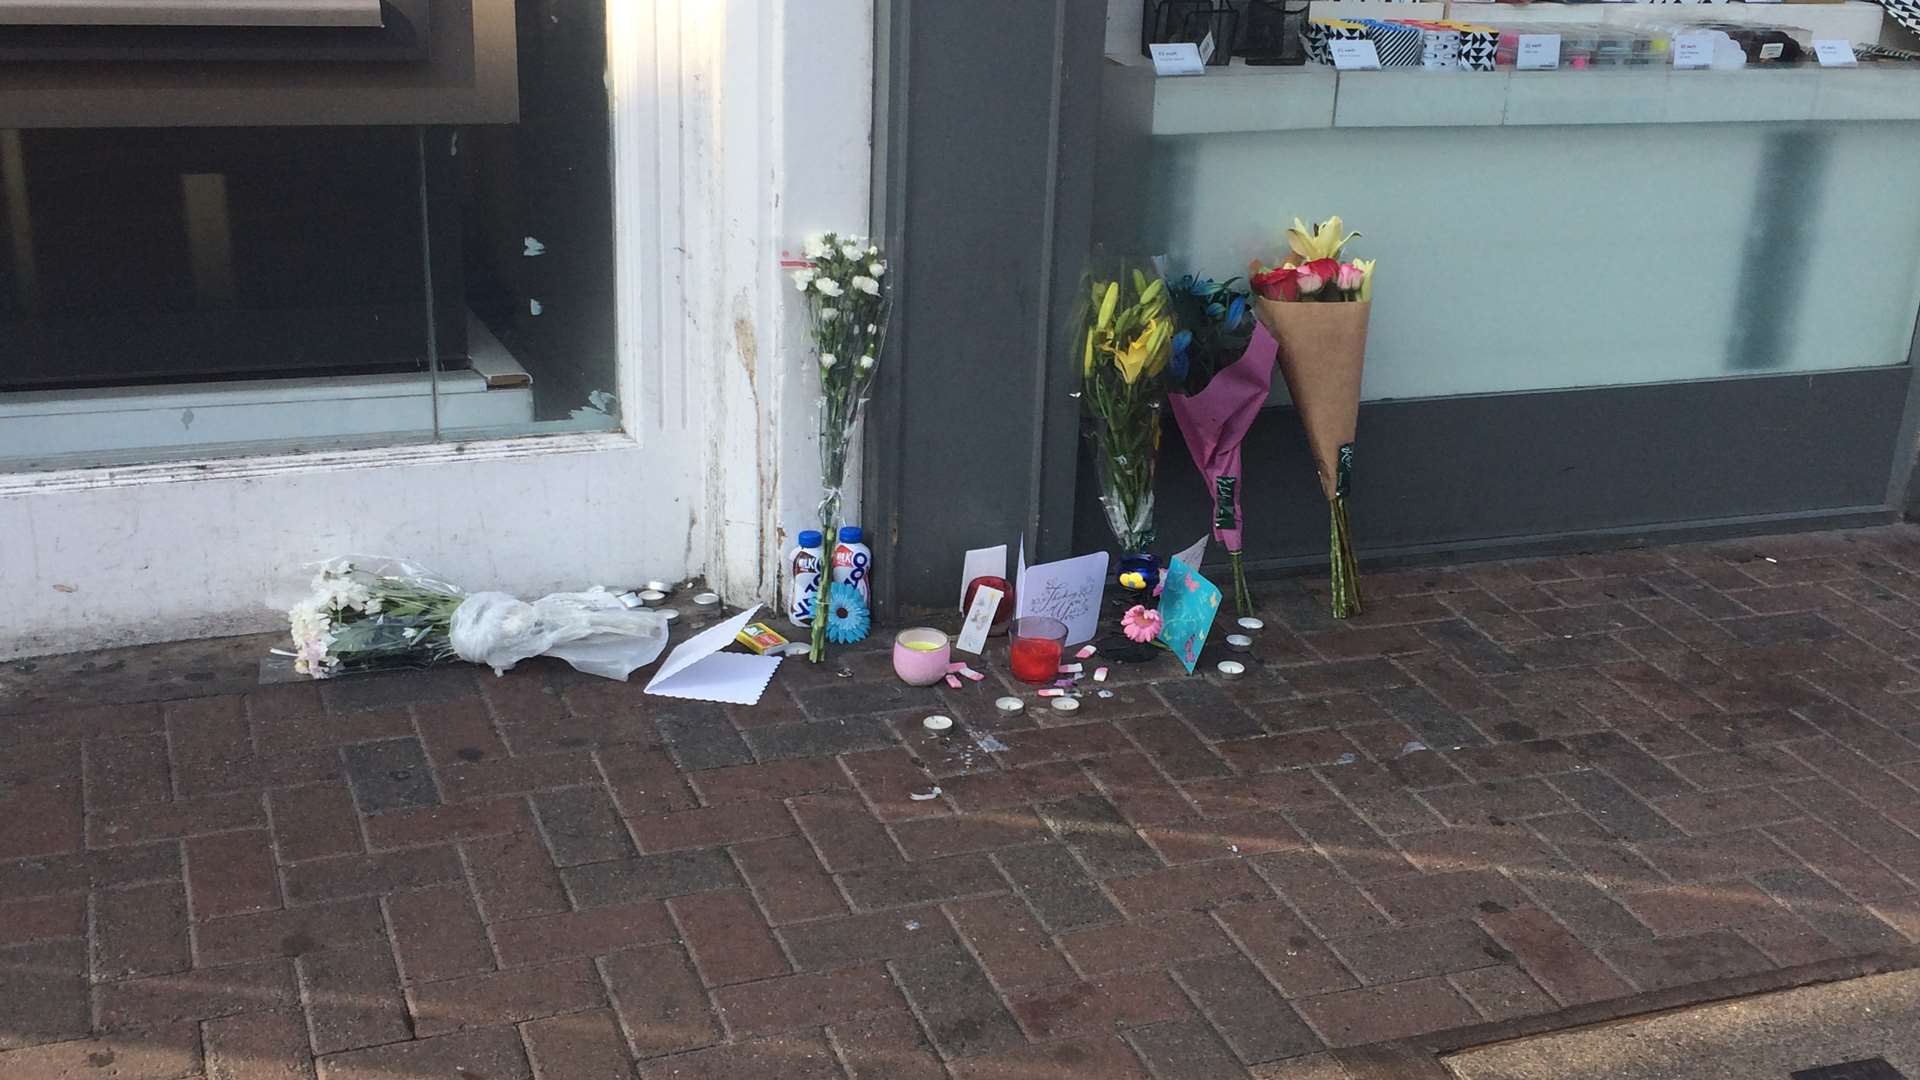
{"x":1510,"y":789}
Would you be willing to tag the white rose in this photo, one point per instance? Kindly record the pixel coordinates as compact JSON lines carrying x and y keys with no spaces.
{"x":826,"y":361}
{"x":816,"y":246}
{"x":877,"y":268}
{"x":871,"y":250}
{"x":828,"y":287}
{"x":802,"y":279}
{"x":872,"y":329}
{"x":851,"y":251}
{"x":866,"y":285}
{"x":866,"y":363}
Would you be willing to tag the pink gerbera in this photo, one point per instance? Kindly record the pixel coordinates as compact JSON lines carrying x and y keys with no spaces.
{"x":1141,"y":624}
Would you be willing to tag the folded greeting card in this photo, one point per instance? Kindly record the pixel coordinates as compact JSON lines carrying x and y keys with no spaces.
{"x":1187,"y":609}
{"x":699,"y":671}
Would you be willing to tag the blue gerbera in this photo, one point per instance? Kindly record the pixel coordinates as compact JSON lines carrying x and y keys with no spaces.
{"x":847,"y":617}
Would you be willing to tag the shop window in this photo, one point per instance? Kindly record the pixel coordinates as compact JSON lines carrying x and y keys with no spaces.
{"x":175,"y":291}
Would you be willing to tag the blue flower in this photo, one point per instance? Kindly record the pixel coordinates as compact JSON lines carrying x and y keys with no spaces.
{"x":1177,"y":364}
{"x":1237,"y":312}
{"x":847,"y":617}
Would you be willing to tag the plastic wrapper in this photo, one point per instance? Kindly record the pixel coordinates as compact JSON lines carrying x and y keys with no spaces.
{"x":367,"y":614}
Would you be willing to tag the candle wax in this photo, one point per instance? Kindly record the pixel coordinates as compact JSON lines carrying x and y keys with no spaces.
{"x":922,"y":646}
{"x":1035,"y":660}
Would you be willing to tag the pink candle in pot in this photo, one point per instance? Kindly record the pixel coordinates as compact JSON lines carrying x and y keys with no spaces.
{"x":921,"y":655}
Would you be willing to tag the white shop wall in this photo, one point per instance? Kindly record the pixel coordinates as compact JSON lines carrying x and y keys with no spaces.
{"x":739,"y":126}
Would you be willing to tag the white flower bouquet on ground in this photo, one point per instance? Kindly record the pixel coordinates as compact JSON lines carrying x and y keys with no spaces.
{"x":367,"y":614}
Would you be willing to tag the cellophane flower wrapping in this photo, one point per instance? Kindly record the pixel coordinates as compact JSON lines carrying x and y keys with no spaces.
{"x":847,"y":293}
{"x":1220,"y":376}
{"x":365,"y":614}
{"x":1125,"y":332}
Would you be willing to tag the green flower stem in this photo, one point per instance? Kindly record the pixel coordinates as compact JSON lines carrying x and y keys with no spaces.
{"x":1242,"y":595}
{"x":1345,"y":568}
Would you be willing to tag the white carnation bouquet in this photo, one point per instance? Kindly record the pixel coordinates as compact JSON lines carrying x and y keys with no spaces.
{"x":845,"y":284}
{"x":365,"y":614}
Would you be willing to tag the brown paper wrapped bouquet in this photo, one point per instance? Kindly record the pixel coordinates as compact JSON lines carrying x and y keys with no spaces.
{"x":1316,"y":306}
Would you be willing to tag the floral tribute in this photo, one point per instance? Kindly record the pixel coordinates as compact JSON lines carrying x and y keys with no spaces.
{"x":1125,"y":343}
{"x":1316,"y":305}
{"x":845,"y":285}
{"x":1220,"y":376}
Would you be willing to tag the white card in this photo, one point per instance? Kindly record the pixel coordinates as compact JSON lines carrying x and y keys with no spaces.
{"x":973,"y":633}
{"x":1537,"y":52}
{"x":1193,"y":555}
{"x":699,"y":671}
{"x":1835,"y":52}
{"x":1354,"y":55}
{"x":1177,"y":58}
{"x":981,"y":562}
{"x":1206,"y":48}
{"x":1692,"y":51}
{"x":1068,"y":590}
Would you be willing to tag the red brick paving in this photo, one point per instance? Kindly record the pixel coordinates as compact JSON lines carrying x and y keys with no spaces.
{"x":1507,"y":790}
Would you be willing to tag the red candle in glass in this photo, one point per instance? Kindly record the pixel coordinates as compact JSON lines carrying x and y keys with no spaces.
{"x":1034,"y":649}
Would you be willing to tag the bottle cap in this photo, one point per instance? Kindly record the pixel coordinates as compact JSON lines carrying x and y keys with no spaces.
{"x":810,"y":538}
{"x":850,"y":534}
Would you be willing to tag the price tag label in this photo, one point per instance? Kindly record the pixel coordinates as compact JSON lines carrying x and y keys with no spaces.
{"x":1537,"y":52}
{"x":1206,"y":48}
{"x":1177,"y":58}
{"x":1691,"y":51}
{"x":1354,"y":55}
{"x":1835,"y":52}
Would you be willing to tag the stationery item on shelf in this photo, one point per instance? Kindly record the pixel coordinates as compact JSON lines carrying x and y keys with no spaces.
{"x":1397,"y":43}
{"x":1439,"y":46}
{"x":1478,"y":44}
{"x":1321,"y":31}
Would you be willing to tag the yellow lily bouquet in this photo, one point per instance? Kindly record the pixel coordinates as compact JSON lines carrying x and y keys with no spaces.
{"x":1126,"y":340}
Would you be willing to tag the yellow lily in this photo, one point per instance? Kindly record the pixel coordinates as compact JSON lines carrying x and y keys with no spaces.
{"x":1086,"y":367}
{"x":1323,"y":241}
{"x":1147,"y":353}
{"x":1366,"y":278}
{"x":1108,"y":303}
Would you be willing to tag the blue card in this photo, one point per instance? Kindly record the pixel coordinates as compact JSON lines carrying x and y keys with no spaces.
{"x":1188,"y":605}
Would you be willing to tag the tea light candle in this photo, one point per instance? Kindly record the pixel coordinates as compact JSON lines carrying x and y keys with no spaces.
{"x":937,"y":723}
{"x":652,"y":596}
{"x":1231,"y":669}
{"x":1239,"y":642}
{"x":1066,"y":705}
{"x":657,"y":586}
{"x":1010,"y":705}
{"x":668,"y":613}
{"x":706,"y":599}
{"x":1248,"y":622}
